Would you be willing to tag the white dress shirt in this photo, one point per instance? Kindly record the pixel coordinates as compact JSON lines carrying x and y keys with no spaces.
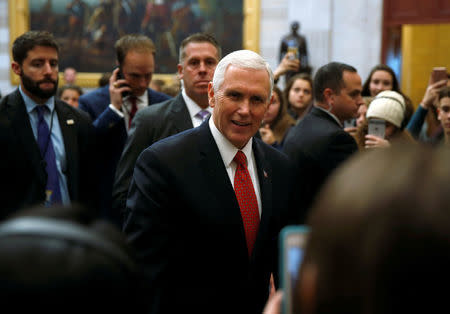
{"x":141,"y":102}
{"x":228,"y":151}
{"x":193,"y":109}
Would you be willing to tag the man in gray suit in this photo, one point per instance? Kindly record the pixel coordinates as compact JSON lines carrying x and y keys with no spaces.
{"x":199,"y":55}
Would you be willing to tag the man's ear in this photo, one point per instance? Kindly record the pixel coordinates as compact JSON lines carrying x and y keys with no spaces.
{"x":328,"y":95}
{"x":180,"y":71}
{"x":16,"y":68}
{"x":308,"y":288}
{"x":211,"y":98}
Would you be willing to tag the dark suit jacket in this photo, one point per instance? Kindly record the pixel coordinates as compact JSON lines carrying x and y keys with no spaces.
{"x":150,"y":125}
{"x":317,"y":145}
{"x":112,"y":136}
{"x":23,"y":175}
{"x":183,"y":219}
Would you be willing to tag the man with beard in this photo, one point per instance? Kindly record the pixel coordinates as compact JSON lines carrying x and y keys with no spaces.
{"x":48,"y":150}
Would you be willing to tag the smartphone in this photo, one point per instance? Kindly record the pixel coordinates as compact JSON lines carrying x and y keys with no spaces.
{"x":294,"y":52}
{"x":350,"y":123}
{"x":120,"y":76}
{"x":377,"y":127}
{"x":292,"y":247}
{"x":438,"y":74}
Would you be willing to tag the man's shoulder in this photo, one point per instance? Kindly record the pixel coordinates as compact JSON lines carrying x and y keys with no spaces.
{"x":156,"y":97}
{"x":96,"y":97}
{"x":68,"y":111}
{"x":158,"y":109}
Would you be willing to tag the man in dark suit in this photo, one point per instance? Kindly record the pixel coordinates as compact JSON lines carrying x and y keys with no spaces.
{"x":205,"y":206}
{"x":112,"y":107}
{"x":319,"y":144}
{"x":199,"y":55}
{"x":48,"y":149}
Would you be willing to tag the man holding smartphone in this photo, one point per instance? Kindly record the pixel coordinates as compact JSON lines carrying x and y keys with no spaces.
{"x":112,"y":113}
{"x":199,"y":55}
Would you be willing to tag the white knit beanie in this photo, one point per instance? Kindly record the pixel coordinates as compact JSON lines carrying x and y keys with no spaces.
{"x":387,"y":105}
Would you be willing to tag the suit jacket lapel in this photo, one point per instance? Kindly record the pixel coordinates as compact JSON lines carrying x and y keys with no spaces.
{"x":217,"y":180}
{"x":67,"y":123}
{"x":320,"y":113}
{"x":264,"y":171}
{"x":21,"y":123}
{"x":180,"y":115}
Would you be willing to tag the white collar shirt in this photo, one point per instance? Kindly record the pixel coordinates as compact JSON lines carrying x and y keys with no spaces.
{"x":228,"y":151}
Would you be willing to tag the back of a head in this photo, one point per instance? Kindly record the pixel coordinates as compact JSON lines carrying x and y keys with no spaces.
{"x":55,"y":264}
{"x":381,"y":242}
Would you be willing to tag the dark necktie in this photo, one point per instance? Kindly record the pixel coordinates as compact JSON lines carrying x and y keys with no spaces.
{"x":132,"y":100}
{"x":203,"y":114}
{"x":246,"y":197}
{"x":52,"y":190}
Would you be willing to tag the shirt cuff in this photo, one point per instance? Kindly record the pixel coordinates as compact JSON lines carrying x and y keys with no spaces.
{"x":119,"y":113}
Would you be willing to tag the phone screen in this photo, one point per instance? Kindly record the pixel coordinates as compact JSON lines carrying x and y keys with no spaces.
{"x":438,"y":74}
{"x":377,"y":127}
{"x":292,"y":252}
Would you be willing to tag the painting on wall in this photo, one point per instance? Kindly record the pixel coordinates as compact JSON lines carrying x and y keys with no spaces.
{"x":87,"y":29}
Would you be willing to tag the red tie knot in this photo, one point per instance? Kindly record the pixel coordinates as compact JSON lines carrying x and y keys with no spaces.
{"x":240,"y":159}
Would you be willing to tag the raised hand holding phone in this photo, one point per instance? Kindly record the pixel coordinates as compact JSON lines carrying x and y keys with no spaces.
{"x":118,"y":88}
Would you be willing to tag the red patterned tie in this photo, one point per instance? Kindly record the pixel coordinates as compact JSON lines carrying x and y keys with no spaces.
{"x":132,"y":100}
{"x":246,"y":197}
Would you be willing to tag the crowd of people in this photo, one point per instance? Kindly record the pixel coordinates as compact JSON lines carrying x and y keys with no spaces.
{"x":201,"y":182}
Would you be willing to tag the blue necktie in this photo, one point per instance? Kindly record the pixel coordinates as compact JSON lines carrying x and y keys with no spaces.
{"x":52,"y":190}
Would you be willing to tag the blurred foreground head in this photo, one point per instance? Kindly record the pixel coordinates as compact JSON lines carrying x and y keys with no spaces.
{"x":380,"y":235}
{"x":62,"y":260}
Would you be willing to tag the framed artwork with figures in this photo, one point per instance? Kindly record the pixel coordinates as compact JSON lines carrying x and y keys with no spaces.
{"x":86,"y":30}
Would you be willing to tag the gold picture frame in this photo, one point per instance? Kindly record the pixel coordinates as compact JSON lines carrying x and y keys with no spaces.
{"x":19,"y":22}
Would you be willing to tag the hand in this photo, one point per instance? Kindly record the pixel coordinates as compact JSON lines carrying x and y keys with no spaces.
{"x":351,"y":130}
{"x":272,"y":287}
{"x":116,"y":87}
{"x":287,"y":64}
{"x":431,"y":94}
{"x":373,"y":141}
{"x":267,"y":134}
{"x":273,"y":305}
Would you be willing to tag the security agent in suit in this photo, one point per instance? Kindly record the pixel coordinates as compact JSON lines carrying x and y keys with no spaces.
{"x":199,"y":55}
{"x":319,"y":144}
{"x":24,"y":169}
{"x":183,"y":216}
{"x":65,"y":260}
{"x":111,"y":111}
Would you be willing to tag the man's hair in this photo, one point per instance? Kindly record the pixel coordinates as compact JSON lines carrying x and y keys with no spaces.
{"x":380,"y":67}
{"x":199,"y":38}
{"x":388,"y":249}
{"x":330,"y":76}
{"x":28,"y":41}
{"x":245,"y":59}
{"x":134,"y":42}
{"x":80,"y":262}
{"x":444,"y":92}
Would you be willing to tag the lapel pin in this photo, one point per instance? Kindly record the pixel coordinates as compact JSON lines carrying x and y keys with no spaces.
{"x":265,"y":174}
{"x":70,"y":122}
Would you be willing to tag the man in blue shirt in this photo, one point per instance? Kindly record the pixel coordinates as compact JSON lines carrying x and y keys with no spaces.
{"x":48,"y":146}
